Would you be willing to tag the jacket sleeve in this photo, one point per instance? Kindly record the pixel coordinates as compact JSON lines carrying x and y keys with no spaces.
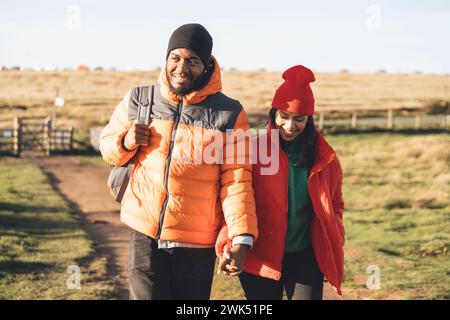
{"x":236,"y":192}
{"x":338,"y":200}
{"x":111,"y":135}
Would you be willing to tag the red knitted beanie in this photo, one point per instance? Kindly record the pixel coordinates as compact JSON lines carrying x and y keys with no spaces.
{"x":295,"y":94}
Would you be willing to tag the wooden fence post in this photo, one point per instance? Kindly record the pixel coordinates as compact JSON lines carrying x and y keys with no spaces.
{"x":390,"y":119}
{"x":321,"y":120}
{"x":47,"y":135}
{"x":17,"y":136}
{"x":71,"y":139}
{"x":354,"y":120}
{"x":417,"y":123}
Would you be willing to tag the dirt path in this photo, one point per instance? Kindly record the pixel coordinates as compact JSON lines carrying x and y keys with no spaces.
{"x":84,"y":187}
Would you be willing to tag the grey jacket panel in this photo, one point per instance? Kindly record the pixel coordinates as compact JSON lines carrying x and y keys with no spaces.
{"x":217,"y":112}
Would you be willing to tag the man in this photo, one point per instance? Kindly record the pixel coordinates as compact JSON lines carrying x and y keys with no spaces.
{"x":176,"y":208}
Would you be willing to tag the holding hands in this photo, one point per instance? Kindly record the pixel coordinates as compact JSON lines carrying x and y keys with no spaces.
{"x":232,"y":261}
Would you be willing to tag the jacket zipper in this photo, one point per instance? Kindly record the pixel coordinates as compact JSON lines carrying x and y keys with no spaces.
{"x":168,"y":161}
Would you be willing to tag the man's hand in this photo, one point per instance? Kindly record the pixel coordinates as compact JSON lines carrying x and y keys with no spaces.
{"x":137,"y":135}
{"x":232,"y":261}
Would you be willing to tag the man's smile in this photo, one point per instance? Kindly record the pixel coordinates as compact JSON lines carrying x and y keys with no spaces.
{"x":181,"y":78}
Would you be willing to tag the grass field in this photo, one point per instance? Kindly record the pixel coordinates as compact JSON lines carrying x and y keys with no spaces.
{"x":397,"y":190}
{"x":40,"y":238}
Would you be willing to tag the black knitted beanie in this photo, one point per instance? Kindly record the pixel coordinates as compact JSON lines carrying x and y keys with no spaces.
{"x":195,"y":37}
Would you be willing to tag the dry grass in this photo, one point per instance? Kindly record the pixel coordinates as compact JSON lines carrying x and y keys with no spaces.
{"x":91,"y":96}
{"x":397,"y":199}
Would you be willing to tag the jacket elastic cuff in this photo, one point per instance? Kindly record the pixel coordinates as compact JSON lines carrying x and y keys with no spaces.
{"x":247,"y":240}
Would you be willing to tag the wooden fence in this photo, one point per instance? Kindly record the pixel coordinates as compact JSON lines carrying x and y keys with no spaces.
{"x":39,"y":134}
{"x":34,"y":134}
{"x":390,"y":115}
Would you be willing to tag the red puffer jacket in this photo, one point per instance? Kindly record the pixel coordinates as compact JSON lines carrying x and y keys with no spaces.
{"x":327,"y":229}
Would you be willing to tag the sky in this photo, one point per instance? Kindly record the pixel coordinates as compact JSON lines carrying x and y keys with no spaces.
{"x":327,"y":36}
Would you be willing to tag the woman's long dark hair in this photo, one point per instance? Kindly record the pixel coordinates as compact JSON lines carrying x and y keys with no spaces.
{"x":307,"y":139}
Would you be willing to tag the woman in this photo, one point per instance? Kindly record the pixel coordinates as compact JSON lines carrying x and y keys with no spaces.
{"x":299,"y":209}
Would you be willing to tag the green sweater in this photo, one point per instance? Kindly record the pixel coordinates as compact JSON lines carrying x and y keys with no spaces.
{"x":300,"y":211}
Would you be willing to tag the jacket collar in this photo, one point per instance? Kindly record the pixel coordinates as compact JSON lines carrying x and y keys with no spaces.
{"x":324,"y":152}
{"x":212,"y":87}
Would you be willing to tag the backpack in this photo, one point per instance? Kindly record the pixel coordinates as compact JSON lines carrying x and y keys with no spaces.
{"x":140,"y":110}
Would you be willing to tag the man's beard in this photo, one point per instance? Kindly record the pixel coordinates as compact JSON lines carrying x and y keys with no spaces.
{"x":184,"y":90}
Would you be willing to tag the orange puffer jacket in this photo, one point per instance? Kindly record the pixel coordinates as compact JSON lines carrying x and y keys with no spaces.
{"x":174,"y":194}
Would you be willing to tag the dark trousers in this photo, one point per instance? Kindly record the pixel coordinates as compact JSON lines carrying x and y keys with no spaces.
{"x":301,"y":278}
{"x":166,"y":274}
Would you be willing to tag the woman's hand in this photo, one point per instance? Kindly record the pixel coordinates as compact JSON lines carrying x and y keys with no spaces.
{"x":232,"y":261}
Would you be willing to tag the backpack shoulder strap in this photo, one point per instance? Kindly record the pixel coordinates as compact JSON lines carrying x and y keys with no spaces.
{"x":145,"y":105}
{"x":141,"y":103}
{"x":140,"y":107}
